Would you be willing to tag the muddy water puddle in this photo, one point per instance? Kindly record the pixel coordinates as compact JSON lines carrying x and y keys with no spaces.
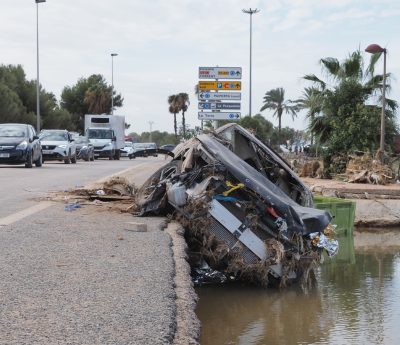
{"x":357,"y":301}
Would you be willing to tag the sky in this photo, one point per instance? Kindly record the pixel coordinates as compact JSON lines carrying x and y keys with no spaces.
{"x":161,"y":44}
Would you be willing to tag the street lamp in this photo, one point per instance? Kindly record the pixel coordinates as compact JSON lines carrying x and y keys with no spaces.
{"x":37,"y":67}
{"x":112,"y":82}
{"x":373,"y":49}
{"x":250,"y":12}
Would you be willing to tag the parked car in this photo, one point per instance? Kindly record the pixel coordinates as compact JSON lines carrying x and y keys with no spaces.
{"x":19,"y":144}
{"x":168,"y":147}
{"x":84,"y":148}
{"x":128,"y":149}
{"x":57,"y":144}
{"x":140,"y":149}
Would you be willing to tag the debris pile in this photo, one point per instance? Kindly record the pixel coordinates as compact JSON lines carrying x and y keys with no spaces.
{"x":365,"y":169}
{"x":247,"y":215}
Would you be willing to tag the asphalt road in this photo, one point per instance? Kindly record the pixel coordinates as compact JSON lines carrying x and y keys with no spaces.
{"x":81,"y":277}
{"x":19,"y":186}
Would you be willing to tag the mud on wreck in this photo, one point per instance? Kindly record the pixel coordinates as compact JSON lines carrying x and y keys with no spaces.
{"x":246,"y":214}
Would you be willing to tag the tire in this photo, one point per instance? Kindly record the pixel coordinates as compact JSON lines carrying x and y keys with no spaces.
{"x":29,"y":161}
{"x":68,"y":159}
{"x":73,"y":159}
{"x":39,"y":161}
{"x":117,"y":155}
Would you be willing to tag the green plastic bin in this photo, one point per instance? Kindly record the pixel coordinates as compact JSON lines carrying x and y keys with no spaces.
{"x":342,"y":210}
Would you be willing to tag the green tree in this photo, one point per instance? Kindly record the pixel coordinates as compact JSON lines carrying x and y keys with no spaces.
{"x":90,"y":95}
{"x":342,"y":119}
{"x":174,"y":109}
{"x":275,"y":100}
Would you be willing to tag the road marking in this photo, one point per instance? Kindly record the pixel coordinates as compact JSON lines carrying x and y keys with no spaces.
{"x":15,"y":217}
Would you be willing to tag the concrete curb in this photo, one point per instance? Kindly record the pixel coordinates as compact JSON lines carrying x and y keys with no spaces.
{"x":187,"y":323}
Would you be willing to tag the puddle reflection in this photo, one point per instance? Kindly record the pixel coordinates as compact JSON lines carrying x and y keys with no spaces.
{"x":357,"y":302}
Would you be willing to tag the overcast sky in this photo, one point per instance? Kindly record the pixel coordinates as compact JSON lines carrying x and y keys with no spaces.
{"x":162,"y":43}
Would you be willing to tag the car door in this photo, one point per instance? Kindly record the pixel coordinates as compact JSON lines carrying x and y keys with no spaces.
{"x":31,"y":143}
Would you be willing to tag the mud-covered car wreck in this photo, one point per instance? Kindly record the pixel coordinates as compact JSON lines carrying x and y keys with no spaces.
{"x":246,"y":214}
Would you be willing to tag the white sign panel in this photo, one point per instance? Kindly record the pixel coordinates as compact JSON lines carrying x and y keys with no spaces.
{"x":219,"y":96}
{"x":219,"y":116}
{"x":220,"y":72}
{"x":219,"y":106}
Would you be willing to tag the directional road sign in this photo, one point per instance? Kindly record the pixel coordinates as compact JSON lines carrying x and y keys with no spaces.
{"x":220,"y":85}
{"x":221,"y":106}
{"x":220,"y":72}
{"x":218,"y":116}
{"x":214,"y":96}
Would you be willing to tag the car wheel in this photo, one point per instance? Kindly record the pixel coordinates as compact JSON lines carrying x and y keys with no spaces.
{"x":39,"y":161}
{"x":68,"y":159}
{"x":73,"y":159}
{"x":29,"y":161}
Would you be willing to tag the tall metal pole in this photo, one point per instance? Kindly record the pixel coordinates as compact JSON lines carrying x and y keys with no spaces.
{"x":250,"y":12}
{"x":382,"y":143}
{"x":37,"y":67}
{"x":112,"y":82}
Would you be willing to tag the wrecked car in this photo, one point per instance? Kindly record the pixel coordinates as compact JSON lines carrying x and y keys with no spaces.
{"x":246,"y":213}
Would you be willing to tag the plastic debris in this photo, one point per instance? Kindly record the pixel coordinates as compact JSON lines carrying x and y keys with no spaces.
{"x":71,"y":207}
{"x":100,"y":192}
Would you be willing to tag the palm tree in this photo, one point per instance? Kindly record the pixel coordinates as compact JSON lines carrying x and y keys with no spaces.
{"x":174,"y":109}
{"x":98,"y":99}
{"x":348,"y":83}
{"x":275,"y":100}
{"x":312,"y":100}
{"x":183,"y":101}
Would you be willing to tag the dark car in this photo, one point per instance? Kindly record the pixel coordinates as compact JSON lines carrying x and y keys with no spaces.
{"x":19,"y":144}
{"x":84,"y":148}
{"x":168,"y":147}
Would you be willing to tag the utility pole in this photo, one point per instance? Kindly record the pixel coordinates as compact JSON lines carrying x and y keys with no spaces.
{"x":250,"y":12}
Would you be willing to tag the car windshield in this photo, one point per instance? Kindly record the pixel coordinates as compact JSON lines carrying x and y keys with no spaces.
{"x":128,"y":144}
{"x":99,"y":134}
{"x":12,"y":131}
{"x":81,"y":140}
{"x":140,"y":146}
{"x":54,"y":136}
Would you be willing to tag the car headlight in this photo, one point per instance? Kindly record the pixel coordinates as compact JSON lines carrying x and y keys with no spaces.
{"x":84,"y":148}
{"x":23,"y":145}
{"x":62,"y":146}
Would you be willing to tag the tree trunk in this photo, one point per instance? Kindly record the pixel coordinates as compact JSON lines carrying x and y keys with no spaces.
{"x":183,"y":125}
{"x":280,"y":124}
{"x":175,"y":127}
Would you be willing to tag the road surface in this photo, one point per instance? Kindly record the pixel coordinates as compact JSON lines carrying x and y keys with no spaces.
{"x":81,"y":277}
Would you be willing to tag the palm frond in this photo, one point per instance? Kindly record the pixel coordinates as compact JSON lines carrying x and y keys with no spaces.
{"x":313,"y":78}
{"x":332,"y":67}
{"x":372,"y":62}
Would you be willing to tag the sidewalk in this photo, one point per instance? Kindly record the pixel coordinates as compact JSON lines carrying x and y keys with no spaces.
{"x":376,"y":205}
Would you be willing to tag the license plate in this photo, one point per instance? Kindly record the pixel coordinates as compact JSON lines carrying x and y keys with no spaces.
{"x":4,"y":155}
{"x":97,"y":154}
{"x":47,"y":152}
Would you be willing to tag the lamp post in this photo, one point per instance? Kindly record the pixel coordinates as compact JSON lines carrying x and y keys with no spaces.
{"x":373,"y":49}
{"x":37,"y":67}
{"x":112,"y":82}
{"x":250,"y":12}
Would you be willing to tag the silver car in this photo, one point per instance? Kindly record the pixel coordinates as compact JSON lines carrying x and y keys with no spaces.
{"x":58,"y":145}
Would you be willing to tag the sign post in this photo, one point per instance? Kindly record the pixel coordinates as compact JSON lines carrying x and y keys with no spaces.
{"x":215,"y":95}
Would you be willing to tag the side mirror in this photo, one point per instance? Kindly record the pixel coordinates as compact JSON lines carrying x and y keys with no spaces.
{"x":71,"y":140}
{"x":35,"y":137}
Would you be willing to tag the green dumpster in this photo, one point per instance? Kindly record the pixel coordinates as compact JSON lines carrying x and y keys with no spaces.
{"x":343,"y":212}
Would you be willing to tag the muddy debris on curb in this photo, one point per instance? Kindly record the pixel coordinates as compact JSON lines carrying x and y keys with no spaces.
{"x":246,"y":215}
{"x":115,"y":194}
